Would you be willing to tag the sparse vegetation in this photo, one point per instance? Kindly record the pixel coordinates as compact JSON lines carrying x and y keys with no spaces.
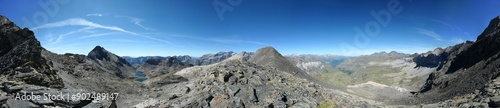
{"x":333,"y":76}
{"x":327,"y":104}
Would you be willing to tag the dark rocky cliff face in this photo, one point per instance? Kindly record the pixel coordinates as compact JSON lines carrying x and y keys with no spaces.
{"x":439,"y":57}
{"x":470,"y":67}
{"x":486,"y":45}
{"x":20,"y":53}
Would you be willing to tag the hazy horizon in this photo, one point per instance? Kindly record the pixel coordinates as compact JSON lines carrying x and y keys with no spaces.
{"x":169,"y":28}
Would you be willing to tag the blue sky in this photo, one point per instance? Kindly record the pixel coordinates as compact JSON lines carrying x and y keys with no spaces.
{"x":197,"y":27}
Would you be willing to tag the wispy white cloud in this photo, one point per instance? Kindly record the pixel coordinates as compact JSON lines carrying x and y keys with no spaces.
{"x":97,"y":35}
{"x":69,"y":33}
{"x":453,"y":27}
{"x":127,"y":41}
{"x":50,"y":37}
{"x":136,"y":21}
{"x":88,"y":24}
{"x":95,"y":14}
{"x":80,"y":22}
{"x":429,"y":33}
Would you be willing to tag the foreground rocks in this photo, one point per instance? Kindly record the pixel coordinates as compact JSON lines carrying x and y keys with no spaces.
{"x":239,"y":83}
{"x":21,"y":95}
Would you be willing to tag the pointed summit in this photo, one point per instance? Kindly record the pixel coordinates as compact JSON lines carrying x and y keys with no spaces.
{"x":492,"y":28}
{"x":98,"y":48}
{"x":111,"y":61}
{"x":99,"y":53}
{"x":269,"y":50}
{"x":268,"y":56}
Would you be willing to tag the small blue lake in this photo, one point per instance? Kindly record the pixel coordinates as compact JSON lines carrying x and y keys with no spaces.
{"x":140,"y":76}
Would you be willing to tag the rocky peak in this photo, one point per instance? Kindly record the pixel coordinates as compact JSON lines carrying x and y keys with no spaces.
{"x":184,"y":58}
{"x":7,"y":25}
{"x":21,"y":58}
{"x":12,"y":36}
{"x":153,"y":61}
{"x":268,"y":56}
{"x":170,"y":61}
{"x":486,"y":45}
{"x":492,"y":28}
{"x":99,"y":53}
{"x":267,"y":50}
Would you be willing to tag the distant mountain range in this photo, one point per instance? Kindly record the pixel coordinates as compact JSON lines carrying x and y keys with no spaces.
{"x":464,"y":75}
{"x":197,"y":61}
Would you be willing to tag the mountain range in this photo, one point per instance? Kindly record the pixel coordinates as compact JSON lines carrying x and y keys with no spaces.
{"x":464,"y":75}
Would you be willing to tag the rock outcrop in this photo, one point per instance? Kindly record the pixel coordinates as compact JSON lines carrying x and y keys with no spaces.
{"x":439,"y":57}
{"x":21,"y":58}
{"x":237,"y":82}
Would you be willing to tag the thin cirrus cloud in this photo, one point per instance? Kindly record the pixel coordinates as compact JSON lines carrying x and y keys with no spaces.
{"x":68,"y":33}
{"x":453,"y":27}
{"x":128,"y":41}
{"x":429,"y":33}
{"x":136,"y":21}
{"x":90,"y":25}
{"x":95,"y":14}
{"x":98,"y":35}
